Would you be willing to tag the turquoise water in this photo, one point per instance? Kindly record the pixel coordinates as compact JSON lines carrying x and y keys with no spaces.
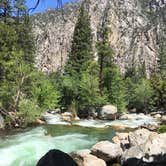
{"x":26,"y":148}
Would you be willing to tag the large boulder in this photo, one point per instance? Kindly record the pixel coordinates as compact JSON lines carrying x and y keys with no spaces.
{"x":84,"y":158}
{"x":56,"y":158}
{"x":107,"y":151}
{"x":139,"y":136}
{"x":147,"y":149}
{"x":108,"y":112}
{"x":2,"y":123}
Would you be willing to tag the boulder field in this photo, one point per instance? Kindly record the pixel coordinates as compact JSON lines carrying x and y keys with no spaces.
{"x":138,"y":148}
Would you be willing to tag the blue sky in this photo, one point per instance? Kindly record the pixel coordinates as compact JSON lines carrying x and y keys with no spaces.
{"x":45,"y":4}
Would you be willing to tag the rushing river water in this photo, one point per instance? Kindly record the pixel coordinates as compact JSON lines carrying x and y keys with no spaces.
{"x":26,"y":148}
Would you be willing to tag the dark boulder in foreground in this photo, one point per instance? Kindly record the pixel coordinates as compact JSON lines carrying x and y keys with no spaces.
{"x":56,"y":158}
{"x":159,"y":160}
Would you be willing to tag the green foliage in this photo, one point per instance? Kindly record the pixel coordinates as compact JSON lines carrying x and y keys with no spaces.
{"x":143,"y":93}
{"x":89,"y":87}
{"x":43,"y":91}
{"x":74,"y":79}
{"x":111,"y":83}
{"x":28,"y":110}
{"x":115,"y":88}
{"x":23,"y":89}
{"x":162,"y":129}
{"x":81,"y":49}
{"x":158,"y":84}
{"x":162,"y":62}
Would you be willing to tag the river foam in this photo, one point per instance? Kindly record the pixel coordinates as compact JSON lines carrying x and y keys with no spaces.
{"x":26,"y":149}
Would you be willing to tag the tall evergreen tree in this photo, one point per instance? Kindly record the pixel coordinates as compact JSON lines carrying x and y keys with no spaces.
{"x":81,"y":48}
{"x":79,"y":58}
{"x":111,"y":82}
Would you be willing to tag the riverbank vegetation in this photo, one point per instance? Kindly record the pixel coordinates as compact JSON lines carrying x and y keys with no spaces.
{"x":85,"y":81}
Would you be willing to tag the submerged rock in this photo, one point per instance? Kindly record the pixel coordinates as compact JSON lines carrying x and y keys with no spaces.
{"x":108,"y":112}
{"x":132,"y":116}
{"x":119,"y":126}
{"x":107,"y":151}
{"x":56,"y":158}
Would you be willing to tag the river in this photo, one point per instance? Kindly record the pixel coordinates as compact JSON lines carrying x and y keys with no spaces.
{"x":26,"y":148}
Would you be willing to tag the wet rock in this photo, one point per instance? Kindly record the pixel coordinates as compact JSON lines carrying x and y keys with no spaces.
{"x":56,"y":158}
{"x":131,"y":116}
{"x":76,"y":118}
{"x":39,"y":122}
{"x":119,"y":126}
{"x":157,"y":116}
{"x":108,"y":112}
{"x":107,"y":151}
{"x":67,"y":116}
{"x":84,"y":158}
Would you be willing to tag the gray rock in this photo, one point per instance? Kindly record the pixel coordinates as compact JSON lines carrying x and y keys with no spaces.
{"x":107,"y":151}
{"x":139,"y":136}
{"x":2,"y":123}
{"x":84,"y":158}
{"x":134,"y":38}
{"x":157,"y":116}
{"x":121,"y":139}
{"x":132,"y":116}
{"x":163,"y":119}
{"x":150,"y":149}
{"x":108,"y":112}
{"x":153,"y":126}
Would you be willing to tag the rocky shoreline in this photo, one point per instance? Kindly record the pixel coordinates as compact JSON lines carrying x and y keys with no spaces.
{"x":139,"y":148}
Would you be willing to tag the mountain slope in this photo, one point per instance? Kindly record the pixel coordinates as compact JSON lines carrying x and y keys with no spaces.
{"x":137,"y":28}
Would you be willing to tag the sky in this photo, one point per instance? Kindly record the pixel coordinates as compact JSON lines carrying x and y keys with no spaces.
{"x":44,"y":4}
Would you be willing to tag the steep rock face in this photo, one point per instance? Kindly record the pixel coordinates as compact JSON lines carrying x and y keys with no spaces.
{"x":136,"y":29}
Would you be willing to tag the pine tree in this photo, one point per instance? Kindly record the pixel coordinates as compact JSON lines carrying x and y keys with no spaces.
{"x":89,"y":88}
{"x":5,"y":10}
{"x":81,"y":48}
{"x":79,"y":58}
{"x":111,"y":83}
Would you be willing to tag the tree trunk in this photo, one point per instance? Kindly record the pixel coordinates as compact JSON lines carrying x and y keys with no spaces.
{"x":101,"y":74}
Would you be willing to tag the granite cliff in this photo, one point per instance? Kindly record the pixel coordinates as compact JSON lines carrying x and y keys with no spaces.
{"x":137,"y":31}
